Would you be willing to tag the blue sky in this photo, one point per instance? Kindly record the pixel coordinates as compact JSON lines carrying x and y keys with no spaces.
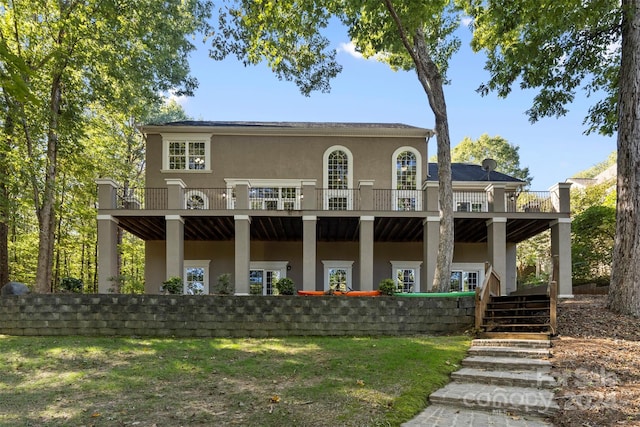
{"x":369,"y":91}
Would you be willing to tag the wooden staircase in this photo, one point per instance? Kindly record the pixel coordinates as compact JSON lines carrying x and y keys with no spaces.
{"x":525,"y":316}
{"x":515,"y":316}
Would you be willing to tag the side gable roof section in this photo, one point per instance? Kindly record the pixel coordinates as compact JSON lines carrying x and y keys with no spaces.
{"x":474,"y":174}
{"x":289,"y":128}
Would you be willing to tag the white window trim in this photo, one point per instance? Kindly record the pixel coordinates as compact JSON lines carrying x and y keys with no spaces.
{"x":407,"y":265}
{"x":417,"y":193}
{"x":190,"y":137}
{"x":204,"y":264}
{"x":470,"y":266}
{"x":196,"y":193}
{"x":394,"y":159}
{"x":330,"y":264}
{"x":342,"y":193}
{"x":325,"y":165}
{"x":280,"y":266}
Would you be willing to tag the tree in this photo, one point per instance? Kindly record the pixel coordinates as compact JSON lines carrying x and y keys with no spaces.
{"x":593,"y":171}
{"x":413,"y":35}
{"x":559,"y":47}
{"x":71,"y":54}
{"x":497,"y":148}
{"x":593,"y":232}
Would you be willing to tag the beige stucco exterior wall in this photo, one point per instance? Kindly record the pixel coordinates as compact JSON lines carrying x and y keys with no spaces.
{"x":284,"y":157}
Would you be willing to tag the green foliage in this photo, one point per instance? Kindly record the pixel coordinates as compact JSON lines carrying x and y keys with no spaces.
{"x":255,"y":289}
{"x":533,"y":257}
{"x":600,"y":167}
{"x":492,"y":147}
{"x":387,"y":287}
{"x":224,"y":286}
{"x":285,"y":286}
{"x":288,"y":35}
{"x":66,"y":66}
{"x":555,"y":46}
{"x":173,"y":286}
{"x":593,"y":234}
{"x":71,"y":284}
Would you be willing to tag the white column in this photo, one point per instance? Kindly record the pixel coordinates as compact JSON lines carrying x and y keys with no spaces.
{"x":561,"y":247}
{"x":242,"y":253}
{"x":366,"y":253}
{"x":175,"y":246}
{"x":497,"y":248}
{"x":309,"y":223}
{"x":107,"y":252}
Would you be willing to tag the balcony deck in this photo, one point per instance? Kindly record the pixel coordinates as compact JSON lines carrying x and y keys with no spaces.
{"x":399,"y":215}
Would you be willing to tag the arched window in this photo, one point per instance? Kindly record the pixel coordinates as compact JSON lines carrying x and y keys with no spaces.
{"x":406,"y":179}
{"x":406,"y":169}
{"x":196,"y":200}
{"x":338,"y":170}
{"x":338,"y":178}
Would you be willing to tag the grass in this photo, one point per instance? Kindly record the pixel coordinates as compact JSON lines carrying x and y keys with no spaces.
{"x":72,"y":381}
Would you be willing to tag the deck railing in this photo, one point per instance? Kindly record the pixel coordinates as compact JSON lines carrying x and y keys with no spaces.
{"x":385,"y":200}
{"x":552,"y":292}
{"x":397,"y":200}
{"x":141,"y":198}
{"x":490,"y":287}
{"x":529,"y":201}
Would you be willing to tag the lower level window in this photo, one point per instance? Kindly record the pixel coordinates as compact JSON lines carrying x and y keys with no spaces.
{"x":464,"y":280}
{"x":263,"y":276}
{"x":337,"y":275}
{"x":406,"y":275}
{"x":196,"y":277}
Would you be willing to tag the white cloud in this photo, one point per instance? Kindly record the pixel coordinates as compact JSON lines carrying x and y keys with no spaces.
{"x":466,"y":20}
{"x":179,"y":99}
{"x":349,"y":49}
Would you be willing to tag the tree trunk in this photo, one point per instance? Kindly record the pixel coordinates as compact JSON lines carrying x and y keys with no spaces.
{"x":4,"y":196}
{"x":431,"y":80}
{"x":624,"y":293}
{"x":46,"y":212}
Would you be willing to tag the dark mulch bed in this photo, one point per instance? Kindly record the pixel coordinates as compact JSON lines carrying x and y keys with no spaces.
{"x":596,"y":358}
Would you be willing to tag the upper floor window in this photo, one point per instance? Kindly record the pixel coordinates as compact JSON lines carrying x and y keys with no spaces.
{"x":338,"y":165}
{"x":406,"y":170}
{"x":338,"y":178}
{"x":338,"y":170}
{"x":406,"y":177}
{"x":186,"y":152}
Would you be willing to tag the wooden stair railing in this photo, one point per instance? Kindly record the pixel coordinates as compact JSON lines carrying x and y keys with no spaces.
{"x":552,"y":293}
{"x":490,"y":287}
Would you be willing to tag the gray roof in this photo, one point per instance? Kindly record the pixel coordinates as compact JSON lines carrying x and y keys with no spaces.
{"x":471,"y":173}
{"x":356,"y":125}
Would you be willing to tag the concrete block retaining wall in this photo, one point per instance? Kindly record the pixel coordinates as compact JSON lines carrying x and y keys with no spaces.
{"x":231,"y":316}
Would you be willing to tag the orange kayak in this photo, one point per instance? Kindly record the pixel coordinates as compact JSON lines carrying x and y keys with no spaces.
{"x":348,"y":293}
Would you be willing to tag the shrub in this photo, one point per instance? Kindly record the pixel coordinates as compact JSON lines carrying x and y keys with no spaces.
{"x":285,"y":286}
{"x":387,"y":287}
{"x":173,"y":286}
{"x":224,"y":285}
{"x":255,"y":289}
{"x":71,"y":284}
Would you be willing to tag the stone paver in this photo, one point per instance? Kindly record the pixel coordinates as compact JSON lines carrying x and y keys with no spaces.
{"x":446,"y":416}
{"x":503,"y":383}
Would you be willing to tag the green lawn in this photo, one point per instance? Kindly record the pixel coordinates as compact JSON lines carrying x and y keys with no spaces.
{"x":73,"y":381}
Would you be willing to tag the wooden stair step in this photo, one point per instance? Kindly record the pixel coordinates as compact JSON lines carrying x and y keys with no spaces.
{"x":528,"y":336}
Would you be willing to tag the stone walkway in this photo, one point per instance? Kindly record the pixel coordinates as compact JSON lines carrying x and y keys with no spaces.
{"x":503,"y":383}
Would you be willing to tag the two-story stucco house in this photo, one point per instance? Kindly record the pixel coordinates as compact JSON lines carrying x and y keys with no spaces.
{"x":326,"y":204}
